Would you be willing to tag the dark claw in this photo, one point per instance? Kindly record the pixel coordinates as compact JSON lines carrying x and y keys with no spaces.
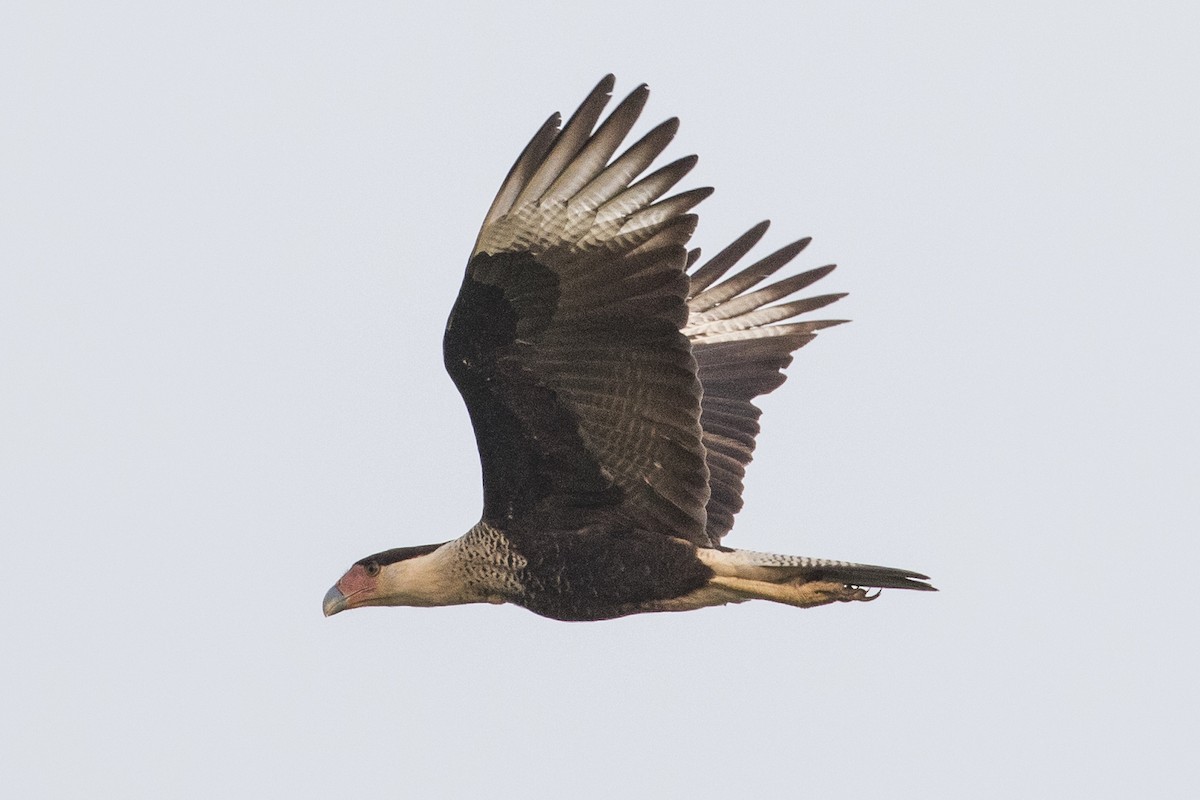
{"x":858,"y":593}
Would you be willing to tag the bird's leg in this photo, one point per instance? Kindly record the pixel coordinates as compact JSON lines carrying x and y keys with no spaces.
{"x":801,"y":593}
{"x":819,"y":593}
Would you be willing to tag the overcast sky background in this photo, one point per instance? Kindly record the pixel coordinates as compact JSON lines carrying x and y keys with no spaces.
{"x":230,"y":234}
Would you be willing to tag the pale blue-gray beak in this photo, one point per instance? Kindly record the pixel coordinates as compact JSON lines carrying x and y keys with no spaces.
{"x":334,"y":602}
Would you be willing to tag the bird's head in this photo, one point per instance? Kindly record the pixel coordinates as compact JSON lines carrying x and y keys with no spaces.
{"x":405,"y":576}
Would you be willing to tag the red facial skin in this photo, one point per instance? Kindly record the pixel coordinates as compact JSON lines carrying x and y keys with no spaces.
{"x":357,"y":586}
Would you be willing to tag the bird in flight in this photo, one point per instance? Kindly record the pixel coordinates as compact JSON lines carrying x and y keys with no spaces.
{"x":610,"y":383}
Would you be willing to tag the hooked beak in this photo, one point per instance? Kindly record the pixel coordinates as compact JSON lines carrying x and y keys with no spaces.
{"x":356,"y":588}
{"x":334,"y":602}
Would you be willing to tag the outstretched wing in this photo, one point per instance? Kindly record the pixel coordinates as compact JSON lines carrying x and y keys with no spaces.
{"x":741,"y":353}
{"x":565,"y":338}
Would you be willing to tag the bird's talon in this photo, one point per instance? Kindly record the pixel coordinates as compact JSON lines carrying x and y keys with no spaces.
{"x":852,"y":594}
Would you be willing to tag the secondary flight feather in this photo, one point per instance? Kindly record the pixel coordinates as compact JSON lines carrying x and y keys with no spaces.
{"x":610,"y":383}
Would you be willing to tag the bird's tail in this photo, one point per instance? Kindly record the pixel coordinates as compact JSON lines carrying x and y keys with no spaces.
{"x":800,"y":580}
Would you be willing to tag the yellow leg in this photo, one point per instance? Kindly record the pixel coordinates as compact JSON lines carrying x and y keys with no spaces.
{"x":804,"y":594}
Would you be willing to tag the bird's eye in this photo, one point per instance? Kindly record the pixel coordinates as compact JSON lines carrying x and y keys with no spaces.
{"x":372,"y":568}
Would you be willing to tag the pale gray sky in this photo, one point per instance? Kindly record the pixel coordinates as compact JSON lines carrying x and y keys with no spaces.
{"x":229,"y":237}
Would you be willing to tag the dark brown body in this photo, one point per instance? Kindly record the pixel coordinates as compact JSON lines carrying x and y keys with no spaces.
{"x":601,"y":573}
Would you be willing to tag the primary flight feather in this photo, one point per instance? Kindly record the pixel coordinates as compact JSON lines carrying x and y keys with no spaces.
{"x":611,"y":396}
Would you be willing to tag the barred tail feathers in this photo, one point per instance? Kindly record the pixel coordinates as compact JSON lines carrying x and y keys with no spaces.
{"x":774,"y":568}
